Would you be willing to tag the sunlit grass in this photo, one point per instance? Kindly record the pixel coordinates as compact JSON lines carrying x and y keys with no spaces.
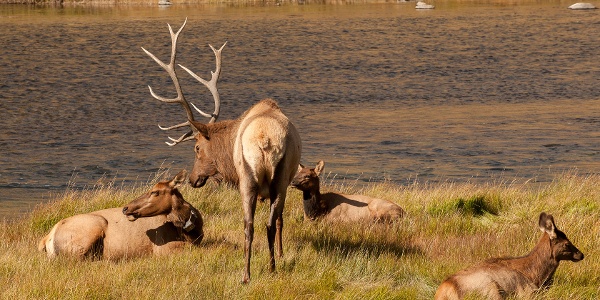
{"x":449,"y":226}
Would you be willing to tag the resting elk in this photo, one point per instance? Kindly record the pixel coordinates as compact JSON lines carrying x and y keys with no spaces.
{"x":111,"y":233}
{"x":258,"y":152}
{"x":499,"y":278}
{"x":340,"y":207}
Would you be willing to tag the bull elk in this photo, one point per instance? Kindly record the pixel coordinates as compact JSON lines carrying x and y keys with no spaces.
{"x":340,"y":207}
{"x":107,"y":234}
{"x":499,"y":278}
{"x":258,"y":152}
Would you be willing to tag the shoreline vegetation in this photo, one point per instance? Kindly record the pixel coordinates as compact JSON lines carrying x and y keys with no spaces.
{"x":448,"y":227}
{"x":117,"y":3}
{"x":133,"y":3}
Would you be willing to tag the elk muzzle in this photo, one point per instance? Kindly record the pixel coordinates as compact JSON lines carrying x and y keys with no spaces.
{"x":295,"y":183}
{"x":131,"y":215}
{"x":198,"y":181}
{"x":577,"y":255}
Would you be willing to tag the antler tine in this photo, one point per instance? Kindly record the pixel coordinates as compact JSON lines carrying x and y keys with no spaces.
{"x":211,"y":85}
{"x":180,"y":97}
{"x":186,"y":137}
{"x":186,"y":123}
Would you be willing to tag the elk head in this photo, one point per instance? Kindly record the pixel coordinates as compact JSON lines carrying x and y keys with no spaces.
{"x":163,"y":199}
{"x":562,"y":248}
{"x":307,"y":179}
{"x":203,"y":167}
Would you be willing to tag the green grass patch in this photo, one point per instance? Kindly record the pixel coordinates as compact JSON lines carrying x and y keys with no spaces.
{"x":476,"y":206}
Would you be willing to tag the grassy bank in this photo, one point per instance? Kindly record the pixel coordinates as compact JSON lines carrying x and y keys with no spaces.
{"x":449,"y":227}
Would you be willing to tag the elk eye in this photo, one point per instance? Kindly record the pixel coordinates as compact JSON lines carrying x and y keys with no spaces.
{"x":197,"y":148}
{"x":154,"y":193}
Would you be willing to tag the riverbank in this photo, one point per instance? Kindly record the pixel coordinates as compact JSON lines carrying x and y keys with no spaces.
{"x":449,"y":226}
{"x":185,"y":2}
{"x":124,"y":3}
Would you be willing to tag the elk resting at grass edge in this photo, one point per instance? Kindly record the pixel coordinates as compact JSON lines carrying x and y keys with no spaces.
{"x":110,"y":233}
{"x":499,"y":278}
{"x":340,"y":207}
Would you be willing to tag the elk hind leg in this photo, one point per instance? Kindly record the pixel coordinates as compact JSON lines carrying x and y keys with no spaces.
{"x":279,"y":226}
{"x":81,"y":236}
{"x":249,"y":197}
{"x":275,"y":225}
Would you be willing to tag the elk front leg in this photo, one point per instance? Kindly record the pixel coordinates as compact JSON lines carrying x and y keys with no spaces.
{"x":279,"y":225}
{"x":249,"y":197}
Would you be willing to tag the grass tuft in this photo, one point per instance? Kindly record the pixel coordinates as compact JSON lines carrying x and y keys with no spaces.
{"x":475,"y":206}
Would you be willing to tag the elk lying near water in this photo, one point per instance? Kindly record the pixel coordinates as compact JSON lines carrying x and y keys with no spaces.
{"x":340,"y":207}
{"x":258,"y":152}
{"x":498,"y":278}
{"x":111,"y":233}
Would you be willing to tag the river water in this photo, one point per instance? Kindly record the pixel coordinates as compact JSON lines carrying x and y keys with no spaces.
{"x":470,"y":91}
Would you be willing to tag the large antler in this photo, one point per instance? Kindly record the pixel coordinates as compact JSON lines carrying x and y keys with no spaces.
{"x":211,"y":85}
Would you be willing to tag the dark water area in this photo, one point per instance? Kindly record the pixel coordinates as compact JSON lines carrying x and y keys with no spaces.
{"x":471,"y":91}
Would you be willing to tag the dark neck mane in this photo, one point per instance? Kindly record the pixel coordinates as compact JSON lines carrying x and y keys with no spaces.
{"x":192,"y":230}
{"x":314,"y":205}
{"x":222,"y":135}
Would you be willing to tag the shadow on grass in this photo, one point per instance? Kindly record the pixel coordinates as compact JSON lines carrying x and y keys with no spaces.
{"x":347,"y":240}
{"x":211,"y":242}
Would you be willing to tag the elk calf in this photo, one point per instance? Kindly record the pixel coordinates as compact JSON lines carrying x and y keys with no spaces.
{"x":340,"y":207}
{"x":171,"y":223}
{"x":498,"y":278}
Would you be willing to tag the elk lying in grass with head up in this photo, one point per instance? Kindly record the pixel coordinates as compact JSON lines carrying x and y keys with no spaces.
{"x":111,"y":233}
{"x":340,"y":207}
{"x":498,"y":278}
{"x":258,"y":152}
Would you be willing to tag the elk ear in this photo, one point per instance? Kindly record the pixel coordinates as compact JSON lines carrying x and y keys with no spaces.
{"x":201,"y":128}
{"x":547,"y":225}
{"x":178,"y":180}
{"x":300,"y":167}
{"x":319,"y":167}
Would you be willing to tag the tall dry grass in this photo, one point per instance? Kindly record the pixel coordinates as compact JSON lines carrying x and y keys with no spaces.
{"x":450,"y":226}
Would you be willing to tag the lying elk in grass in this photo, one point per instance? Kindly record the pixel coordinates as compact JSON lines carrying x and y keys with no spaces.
{"x":340,"y":207}
{"x":108,"y":234}
{"x":499,"y":278}
{"x":258,"y":152}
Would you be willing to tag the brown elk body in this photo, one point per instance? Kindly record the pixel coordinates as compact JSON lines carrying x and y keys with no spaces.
{"x":258,"y":152}
{"x":109,"y":234}
{"x":499,"y":278}
{"x":340,"y":207}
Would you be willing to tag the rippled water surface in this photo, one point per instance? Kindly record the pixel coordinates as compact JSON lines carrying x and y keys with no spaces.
{"x":469,"y":91}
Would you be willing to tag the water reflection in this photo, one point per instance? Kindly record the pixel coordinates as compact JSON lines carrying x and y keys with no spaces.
{"x":469,"y":91}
